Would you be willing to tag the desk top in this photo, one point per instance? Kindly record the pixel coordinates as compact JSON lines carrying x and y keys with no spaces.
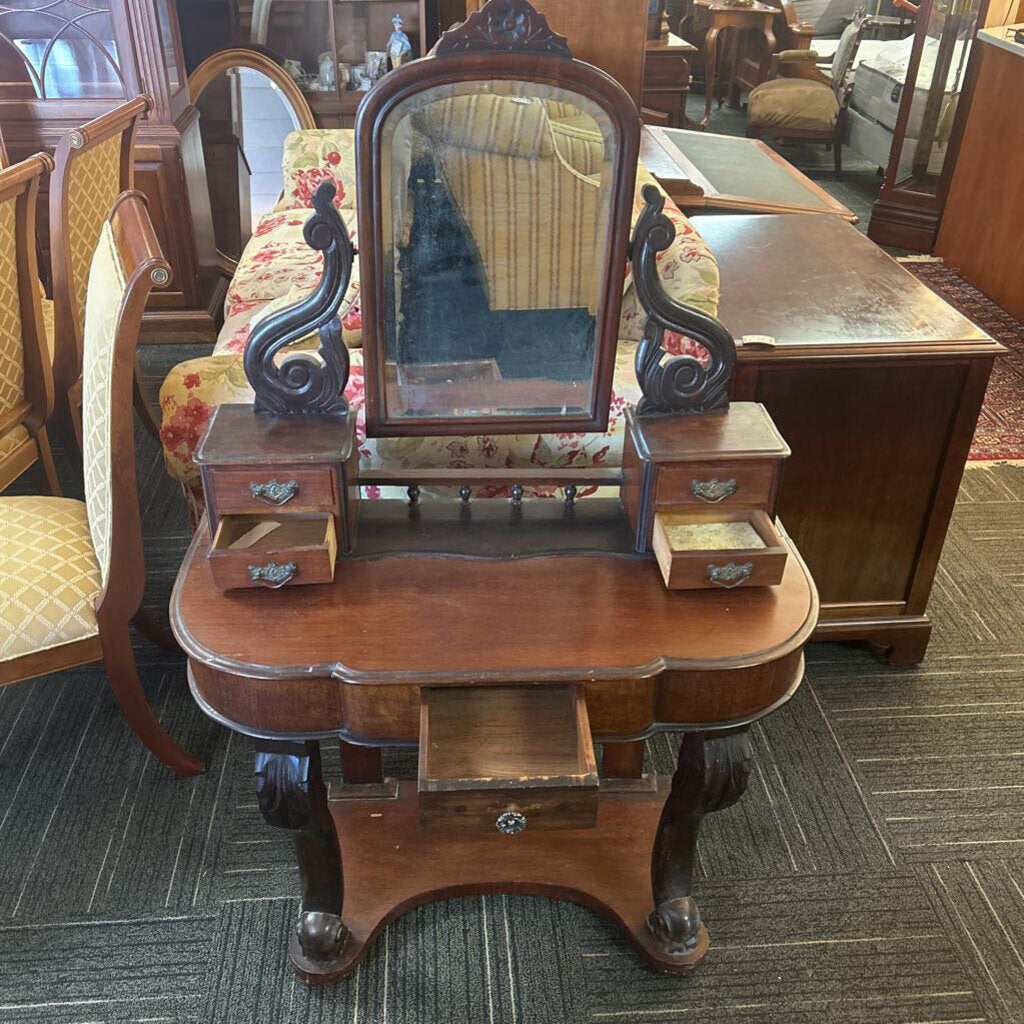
{"x":1002,"y":37}
{"x":817,"y":281}
{"x":423,"y":619}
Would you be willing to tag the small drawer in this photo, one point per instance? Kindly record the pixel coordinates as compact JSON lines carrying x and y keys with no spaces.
{"x":505,"y":759}
{"x":297,"y":550}
{"x":688,"y":568}
{"x":716,"y":483}
{"x":261,"y":488}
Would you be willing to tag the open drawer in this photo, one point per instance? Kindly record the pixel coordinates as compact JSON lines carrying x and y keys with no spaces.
{"x":506,"y":758}
{"x":273,"y":551}
{"x":711,"y":548}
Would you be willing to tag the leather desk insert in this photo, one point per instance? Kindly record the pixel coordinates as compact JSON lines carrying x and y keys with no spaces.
{"x":876,"y":383}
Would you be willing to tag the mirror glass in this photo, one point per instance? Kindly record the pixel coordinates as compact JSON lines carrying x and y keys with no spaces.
{"x":244,"y":119}
{"x":496,"y":199}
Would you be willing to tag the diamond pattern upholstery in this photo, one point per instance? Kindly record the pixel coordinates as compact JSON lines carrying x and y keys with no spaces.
{"x":49,"y":577}
{"x":105,"y":295}
{"x":12,"y":356}
{"x":94,"y":185}
{"x":13,"y":440}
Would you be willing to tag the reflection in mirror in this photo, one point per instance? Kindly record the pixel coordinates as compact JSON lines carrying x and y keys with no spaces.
{"x":244,"y":119}
{"x":495,"y":217}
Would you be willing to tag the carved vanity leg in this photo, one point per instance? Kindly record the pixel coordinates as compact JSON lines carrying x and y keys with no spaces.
{"x":291,"y":794}
{"x":711,"y":775}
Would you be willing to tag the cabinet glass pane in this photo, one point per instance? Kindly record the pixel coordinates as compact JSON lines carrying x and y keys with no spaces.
{"x":298,"y":31}
{"x":66,"y":47}
{"x":936,"y":92}
{"x":169,"y":44}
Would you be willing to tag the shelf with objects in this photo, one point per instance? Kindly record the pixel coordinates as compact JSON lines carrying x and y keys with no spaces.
{"x":335,"y":50}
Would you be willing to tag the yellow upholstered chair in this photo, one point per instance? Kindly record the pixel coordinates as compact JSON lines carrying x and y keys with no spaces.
{"x":94,"y":165}
{"x":26,"y":386}
{"x":71,"y":572}
{"x":801,"y":102}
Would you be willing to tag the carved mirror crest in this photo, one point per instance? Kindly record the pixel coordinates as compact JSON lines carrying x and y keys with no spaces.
{"x":495,"y":193}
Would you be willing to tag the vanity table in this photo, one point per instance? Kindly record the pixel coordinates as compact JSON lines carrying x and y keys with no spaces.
{"x":510,"y":638}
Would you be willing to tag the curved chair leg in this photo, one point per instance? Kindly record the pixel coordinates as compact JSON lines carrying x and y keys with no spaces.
{"x":142,"y":406}
{"x":154,"y":630}
{"x":124,"y":681}
{"x":46,"y":458}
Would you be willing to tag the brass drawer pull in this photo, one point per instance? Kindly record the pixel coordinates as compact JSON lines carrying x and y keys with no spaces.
{"x":713,"y":490}
{"x":274,"y":493}
{"x":511,"y":823}
{"x":730,"y":574}
{"x":273,"y":575}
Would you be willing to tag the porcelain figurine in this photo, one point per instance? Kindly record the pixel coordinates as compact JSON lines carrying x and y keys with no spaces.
{"x":399,"y":47}
{"x":327,"y":70}
{"x":293,"y":67}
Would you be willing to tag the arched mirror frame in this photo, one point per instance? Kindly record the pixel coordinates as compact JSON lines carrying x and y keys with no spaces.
{"x":219,"y":63}
{"x":484,"y":49}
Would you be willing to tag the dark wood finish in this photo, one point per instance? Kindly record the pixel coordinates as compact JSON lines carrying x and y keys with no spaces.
{"x":879,"y":406}
{"x":976,"y":235}
{"x":291,"y":795}
{"x":168,"y":160}
{"x":70,"y":270}
{"x":460,"y":66}
{"x":118,"y":603}
{"x":708,"y":19}
{"x":908,"y":211}
{"x":360,"y":766}
{"x":693,"y":192}
{"x":623,"y":760}
{"x":667,"y":77}
{"x":522,"y":751}
{"x":748,"y":62}
{"x":740,"y":567}
{"x":711,"y":775}
{"x":19,"y":186}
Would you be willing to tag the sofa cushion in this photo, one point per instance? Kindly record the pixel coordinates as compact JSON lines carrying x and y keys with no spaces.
{"x":316,"y":155}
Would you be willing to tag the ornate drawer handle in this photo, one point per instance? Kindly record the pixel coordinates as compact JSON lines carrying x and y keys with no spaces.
{"x":730,"y":574}
{"x":273,"y":575}
{"x":713,"y":490}
{"x":511,"y":823}
{"x":274,"y":493}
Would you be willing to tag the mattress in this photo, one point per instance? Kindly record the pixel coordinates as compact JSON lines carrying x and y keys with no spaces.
{"x":873,"y":141}
{"x":879,"y":78}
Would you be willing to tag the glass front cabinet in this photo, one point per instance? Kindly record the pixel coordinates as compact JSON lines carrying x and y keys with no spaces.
{"x":933,"y":105}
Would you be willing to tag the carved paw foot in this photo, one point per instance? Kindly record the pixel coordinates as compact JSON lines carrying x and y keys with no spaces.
{"x":676,"y":925}
{"x":321,"y":936}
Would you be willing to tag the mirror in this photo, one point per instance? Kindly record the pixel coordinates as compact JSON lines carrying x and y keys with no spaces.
{"x":496,"y":202}
{"x":247,"y":106}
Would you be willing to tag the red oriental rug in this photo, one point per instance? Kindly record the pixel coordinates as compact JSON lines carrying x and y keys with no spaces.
{"x":1000,"y":432}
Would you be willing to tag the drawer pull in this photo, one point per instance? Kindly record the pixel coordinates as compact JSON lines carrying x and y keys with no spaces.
{"x":730,"y":574}
{"x":273,"y":575}
{"x":511,"y":823}
{"x":713,"y":490}
{"x":274,"y":493}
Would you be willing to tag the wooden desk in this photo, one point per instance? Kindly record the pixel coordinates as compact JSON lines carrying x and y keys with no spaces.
{"x":355,"y":659}
{"x":709,"y":18}
{"x":705,"y":171}
{"x":980,"y":229}
{"x":667,"y":76}
{"x":876,"y":383}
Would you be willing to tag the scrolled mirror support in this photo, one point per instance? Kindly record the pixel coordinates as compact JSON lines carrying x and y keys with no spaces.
{"x":307,"y":382}
{"x":674,"y":384}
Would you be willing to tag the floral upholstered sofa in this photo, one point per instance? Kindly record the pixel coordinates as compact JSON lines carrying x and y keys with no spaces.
{"x":277,"y":268}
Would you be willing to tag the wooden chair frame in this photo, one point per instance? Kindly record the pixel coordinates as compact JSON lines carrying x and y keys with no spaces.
{"x":21,"y":183}
{"x":123,"y":120}
{"x":118,"y":604}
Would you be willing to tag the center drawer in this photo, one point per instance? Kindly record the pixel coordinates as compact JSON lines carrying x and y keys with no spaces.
{"x":506,"y":759}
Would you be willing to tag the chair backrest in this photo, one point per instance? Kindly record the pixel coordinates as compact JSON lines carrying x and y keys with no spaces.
{"x":846,"y":51}
{"x":93,"y":167}
{"x":26,"y":387}
{"x":126,"y":265}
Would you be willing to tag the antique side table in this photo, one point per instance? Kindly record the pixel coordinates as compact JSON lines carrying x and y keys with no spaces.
{"x":361,"y":658}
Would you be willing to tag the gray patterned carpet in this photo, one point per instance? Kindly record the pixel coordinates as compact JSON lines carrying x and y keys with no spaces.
{"x":873,"y":872}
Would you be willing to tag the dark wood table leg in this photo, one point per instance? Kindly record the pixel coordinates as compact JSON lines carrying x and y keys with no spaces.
{"x":360,"y":766}
{"x":623,"y":760}
{"x":291,"y":794}
{"x":711,"y":774}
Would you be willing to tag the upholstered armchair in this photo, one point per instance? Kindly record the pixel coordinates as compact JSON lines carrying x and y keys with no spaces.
{"x":71,"y":572}
{"x":26,"y":384}
{"x":94,"y":165}
{"x":799,"y":101}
